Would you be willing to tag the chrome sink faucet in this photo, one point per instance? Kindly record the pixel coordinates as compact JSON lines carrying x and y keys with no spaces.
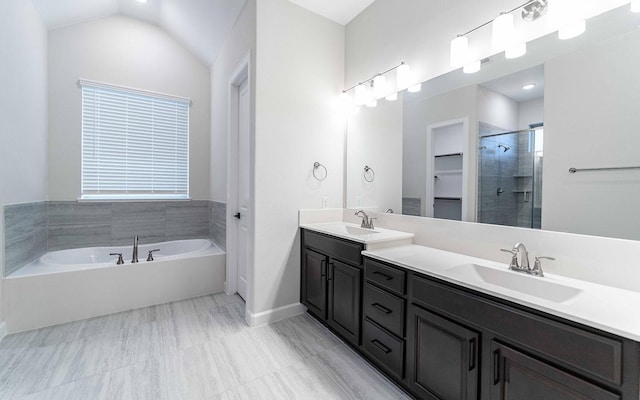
{"x":367,"y":222}
{"x":134,"y":258}
{"x":519,"y":252}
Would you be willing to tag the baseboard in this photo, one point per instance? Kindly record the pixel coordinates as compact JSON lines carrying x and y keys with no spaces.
{"x":274,"y":315}
{"x":3,"y":330}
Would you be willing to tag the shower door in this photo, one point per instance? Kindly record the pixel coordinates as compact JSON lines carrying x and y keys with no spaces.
{"x":506,"y":179}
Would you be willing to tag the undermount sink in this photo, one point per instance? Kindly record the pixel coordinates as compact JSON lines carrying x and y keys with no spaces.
{"x":535,"y":286}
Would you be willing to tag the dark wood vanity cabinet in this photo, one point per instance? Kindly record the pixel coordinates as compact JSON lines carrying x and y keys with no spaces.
{"x":331,"y":282}
{"x":441,"y":341}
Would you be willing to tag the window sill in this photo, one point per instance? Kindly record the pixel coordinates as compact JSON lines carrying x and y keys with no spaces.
{"x":129,"y":199}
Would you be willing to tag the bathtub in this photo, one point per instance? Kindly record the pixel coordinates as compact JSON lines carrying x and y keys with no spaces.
{"x":69,"y":285}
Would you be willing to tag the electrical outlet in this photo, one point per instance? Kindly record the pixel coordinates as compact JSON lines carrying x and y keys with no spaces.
{"x":325,"y":202}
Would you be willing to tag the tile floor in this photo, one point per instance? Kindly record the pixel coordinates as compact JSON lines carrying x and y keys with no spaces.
{"x":192,"y":349}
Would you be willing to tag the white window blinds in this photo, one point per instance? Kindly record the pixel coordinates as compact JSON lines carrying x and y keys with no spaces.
{"x":134,"y":144}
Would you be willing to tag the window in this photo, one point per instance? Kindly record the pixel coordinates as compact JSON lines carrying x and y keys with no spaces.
{"x":135,"y":144}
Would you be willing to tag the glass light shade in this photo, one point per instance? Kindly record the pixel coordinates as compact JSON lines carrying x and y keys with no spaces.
{"x":372,"y":103}
{"x":635,"y":5}
{"x":392,"y":97}
{"x":415,"y":88}
{"x":572,"y":30}
{"x":459,"y":50}
{"x":472,"y":68}
{"x":361,"y":95}
{"x":380,"y":87}
{"x":502,"y":33}
{"x":403,"y":76}
{"x":515,"y":51}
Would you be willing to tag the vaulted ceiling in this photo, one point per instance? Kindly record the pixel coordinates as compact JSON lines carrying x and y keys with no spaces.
{"x":200,"y":25}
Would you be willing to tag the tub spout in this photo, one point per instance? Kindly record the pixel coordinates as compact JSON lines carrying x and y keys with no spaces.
{"x":134,"y":258}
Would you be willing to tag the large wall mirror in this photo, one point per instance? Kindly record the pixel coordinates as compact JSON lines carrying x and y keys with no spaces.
{"x":548,"y":141}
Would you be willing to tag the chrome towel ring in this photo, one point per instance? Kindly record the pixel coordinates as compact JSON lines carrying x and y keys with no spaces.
{"x":316,"y":167}
{"x":369,"y":174}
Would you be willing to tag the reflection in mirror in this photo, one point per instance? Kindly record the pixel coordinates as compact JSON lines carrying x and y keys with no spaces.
{"x":482,"y":148}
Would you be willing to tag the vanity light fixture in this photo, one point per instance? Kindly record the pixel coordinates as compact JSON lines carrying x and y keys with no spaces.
{"x":515,"y":51}
{"x":379,"y":87}
{"x":415,"y":88}
{"x":503,"y":29}
{"x":529,"y":86}
{"x":573,"y":29}
{"x":459,"y":50}
{"x":635,"y":6}
{"x":472,"y":68}
{"x":566,"y":15}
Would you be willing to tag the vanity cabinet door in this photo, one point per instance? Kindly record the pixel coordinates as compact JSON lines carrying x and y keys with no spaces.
{"x":313,"y":291}
{"x":442,"y":357}
{"x":345,"y":283}
{"x":517,"y":376}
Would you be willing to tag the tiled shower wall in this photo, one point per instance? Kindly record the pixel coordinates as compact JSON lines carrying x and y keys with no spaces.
{"x":32,"y":229}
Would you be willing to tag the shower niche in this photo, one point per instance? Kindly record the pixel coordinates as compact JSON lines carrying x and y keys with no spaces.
{"x":510,"y":176}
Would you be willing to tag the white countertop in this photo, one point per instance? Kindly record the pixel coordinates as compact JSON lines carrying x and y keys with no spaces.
{"x":377,"y":235}
{"x":603,"y":307}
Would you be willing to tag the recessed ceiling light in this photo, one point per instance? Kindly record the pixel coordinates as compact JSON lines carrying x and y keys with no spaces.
{"x":529,"y":86}
{"x":142,"y":1}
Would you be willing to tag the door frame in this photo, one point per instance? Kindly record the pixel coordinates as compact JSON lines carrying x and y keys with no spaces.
{"x":240,"y":74}
{"x":467,"y":215}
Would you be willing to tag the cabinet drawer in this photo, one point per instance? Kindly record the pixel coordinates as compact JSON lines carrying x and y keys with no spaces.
{"x":337,"y":248}
{"x":386,"y":276}
{"x":583,"y":351}
{"x":384,"y":348}
{"x":386,"y":309}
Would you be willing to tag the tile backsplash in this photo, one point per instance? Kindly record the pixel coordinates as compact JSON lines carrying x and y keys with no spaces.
{"x":32,"y":229}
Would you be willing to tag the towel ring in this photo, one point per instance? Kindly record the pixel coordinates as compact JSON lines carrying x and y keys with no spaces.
{"x":369,"y":174}
{"x":316,"y":166}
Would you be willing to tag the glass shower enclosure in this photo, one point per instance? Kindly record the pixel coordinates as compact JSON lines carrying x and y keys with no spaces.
{"x":510,"y":177}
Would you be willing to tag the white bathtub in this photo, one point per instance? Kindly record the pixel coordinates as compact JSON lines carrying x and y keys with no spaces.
{"x":98,"y":257}
{"x":69,"y":285}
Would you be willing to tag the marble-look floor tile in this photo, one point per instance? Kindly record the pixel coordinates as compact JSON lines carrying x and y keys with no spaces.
{"x":193,"y":374}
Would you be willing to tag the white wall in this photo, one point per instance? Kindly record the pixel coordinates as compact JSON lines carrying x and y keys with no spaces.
{"x":300,"y":72}
{"x":497,"y":109}
{"x":125,"y":52}
{"x":530,"y":112}
{"x":375,"y":141}
{"x":23,"y":104}
{"x":23,"y":110}
{"x":592,"y":120}
{"x":241,"y":41}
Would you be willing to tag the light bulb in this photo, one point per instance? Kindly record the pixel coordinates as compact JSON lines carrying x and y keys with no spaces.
{"x":415,"y":88}
{"x":403,"y":76}
{"x":503,"y":30}
{"x":379,"y":86}
{"x":361,"y":95}
{"x":392,"y":97}
{"x":572,"y":29}
{"x":515,"y":51}
{"x":529,"y":86}
{"x":635,"y":6}
{"x":472,"y":68}
{"x":459,"y":50}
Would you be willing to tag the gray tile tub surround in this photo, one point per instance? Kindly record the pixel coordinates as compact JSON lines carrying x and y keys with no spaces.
{"x":218,"y":223}
{"x":76,"y":225}
{"x":25,"y":232}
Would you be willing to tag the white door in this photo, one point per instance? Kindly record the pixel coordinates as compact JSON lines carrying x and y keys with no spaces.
{"x":243,"y":187}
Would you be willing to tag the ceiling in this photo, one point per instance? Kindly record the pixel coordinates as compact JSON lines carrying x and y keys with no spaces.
{"x":340,"y":11}
{"x":511,"y":85}
{"x":200,"y":25}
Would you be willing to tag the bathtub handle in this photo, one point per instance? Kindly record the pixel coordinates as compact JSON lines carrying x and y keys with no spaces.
{"x":120,"y":260}
{"x":150,"y":256}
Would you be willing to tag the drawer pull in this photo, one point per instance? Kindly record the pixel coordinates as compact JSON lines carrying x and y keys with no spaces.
{"x":472,"y":354}
{"x":385,"y":276}
{"x":381,"y":346}
{"x":323,"y":269}
{"x":496,"y":367}
{"x":330,"y":274}
{"x":381,"y":308}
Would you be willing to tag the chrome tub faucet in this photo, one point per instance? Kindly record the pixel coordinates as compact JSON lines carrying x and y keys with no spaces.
{"x":134,"y":258}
